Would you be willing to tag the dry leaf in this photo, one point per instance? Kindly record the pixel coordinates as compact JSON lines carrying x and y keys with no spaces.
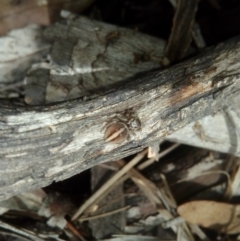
{"x":221,"y":217}
{"x":17,"y":14}
{"x":19,"y":49}
{"x":29,"y":201}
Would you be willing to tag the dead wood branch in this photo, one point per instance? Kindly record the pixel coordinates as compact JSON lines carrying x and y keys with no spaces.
{"x":43,"y":144}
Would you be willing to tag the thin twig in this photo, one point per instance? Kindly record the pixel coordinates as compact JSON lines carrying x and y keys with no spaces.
{"x":104,"y":214}
{"x":109,"y":183}
{"x":75,"y":231}
{"x":19,"y":231}
{"x":140,"y":167}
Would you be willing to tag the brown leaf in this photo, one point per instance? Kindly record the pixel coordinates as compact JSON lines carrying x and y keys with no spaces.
{"x":17,"y":14}
{"x":221,"y":217}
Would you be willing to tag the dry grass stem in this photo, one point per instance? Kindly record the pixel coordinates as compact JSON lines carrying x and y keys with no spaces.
{"x":104,"y":214}
{"x":109,"y":183}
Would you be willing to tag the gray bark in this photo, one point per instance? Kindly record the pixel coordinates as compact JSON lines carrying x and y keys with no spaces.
{"x":43,"y":144}
{"x":89,"y":55}
{"x":219,"y":132}
{"x":100,"y":64}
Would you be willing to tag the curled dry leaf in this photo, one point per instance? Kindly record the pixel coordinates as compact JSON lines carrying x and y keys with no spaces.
{"x":221,"y":217}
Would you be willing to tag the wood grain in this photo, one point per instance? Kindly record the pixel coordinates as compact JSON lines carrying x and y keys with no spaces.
{"x":49,"y":143}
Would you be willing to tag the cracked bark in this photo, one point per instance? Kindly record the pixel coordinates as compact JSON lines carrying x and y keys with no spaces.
{"x":42,"y":144}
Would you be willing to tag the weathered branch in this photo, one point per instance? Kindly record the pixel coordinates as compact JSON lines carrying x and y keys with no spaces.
{"x":41,"y":144}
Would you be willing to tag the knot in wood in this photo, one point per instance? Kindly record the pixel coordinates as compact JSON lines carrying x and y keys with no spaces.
{"x":116,"y":133}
